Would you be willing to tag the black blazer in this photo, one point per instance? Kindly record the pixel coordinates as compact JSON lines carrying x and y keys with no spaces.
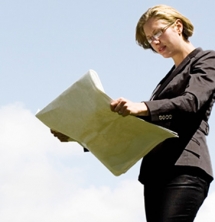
{"x":182,"y":102}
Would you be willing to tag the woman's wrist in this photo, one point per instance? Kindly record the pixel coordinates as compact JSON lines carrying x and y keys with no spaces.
{"x":143,"y":110}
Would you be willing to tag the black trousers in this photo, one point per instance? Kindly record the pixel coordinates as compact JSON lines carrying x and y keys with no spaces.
{"x":175,"y":200}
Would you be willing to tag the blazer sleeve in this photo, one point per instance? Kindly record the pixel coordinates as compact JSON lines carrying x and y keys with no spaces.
{"x":198,"y":90}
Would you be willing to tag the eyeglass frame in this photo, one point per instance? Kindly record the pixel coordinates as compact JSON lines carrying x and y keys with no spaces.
{"x":159,"y":33}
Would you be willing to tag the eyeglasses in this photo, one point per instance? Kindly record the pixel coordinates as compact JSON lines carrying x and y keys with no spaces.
{"x":158,"y":34}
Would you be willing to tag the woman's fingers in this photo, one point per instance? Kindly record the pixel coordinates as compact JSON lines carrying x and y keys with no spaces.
{"x":60,"y":136}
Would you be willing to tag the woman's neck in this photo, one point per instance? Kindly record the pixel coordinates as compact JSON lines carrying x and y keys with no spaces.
{"x":184,"y":51}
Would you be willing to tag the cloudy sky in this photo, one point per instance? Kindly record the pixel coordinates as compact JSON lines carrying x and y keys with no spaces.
{"x":46,"y":45}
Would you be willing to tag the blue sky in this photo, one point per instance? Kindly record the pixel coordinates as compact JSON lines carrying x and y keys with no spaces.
{"x":45,"y":47}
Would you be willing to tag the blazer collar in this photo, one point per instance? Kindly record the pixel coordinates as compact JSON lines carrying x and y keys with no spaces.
{"x":172,"y":73}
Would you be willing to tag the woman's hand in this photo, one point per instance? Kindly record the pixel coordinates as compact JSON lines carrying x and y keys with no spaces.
{"x":60,"y":136}
{"x":125,"y":107}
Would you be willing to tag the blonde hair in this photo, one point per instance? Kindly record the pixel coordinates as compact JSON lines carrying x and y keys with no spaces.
{"x":163,"y":12}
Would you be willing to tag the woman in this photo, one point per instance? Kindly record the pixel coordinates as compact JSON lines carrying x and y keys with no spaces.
{"x":177,"y":173}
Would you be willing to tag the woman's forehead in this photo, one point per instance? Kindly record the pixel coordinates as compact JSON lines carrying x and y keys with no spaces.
{"x":153,"y":24}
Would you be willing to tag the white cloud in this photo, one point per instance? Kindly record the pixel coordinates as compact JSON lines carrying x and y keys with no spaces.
{"x":39,"y":183}
{"x":207,"y":212}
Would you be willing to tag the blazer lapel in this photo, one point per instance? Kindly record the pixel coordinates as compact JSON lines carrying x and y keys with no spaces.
{"x":172,"y":73}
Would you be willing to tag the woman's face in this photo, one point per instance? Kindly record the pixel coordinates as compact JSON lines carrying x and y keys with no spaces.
{"x":164,"y":37}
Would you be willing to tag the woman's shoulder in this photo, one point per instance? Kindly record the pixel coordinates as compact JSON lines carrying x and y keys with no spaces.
{"x":203,"y":59}
{"x":209,"y":52}
{"x":204,"y":55}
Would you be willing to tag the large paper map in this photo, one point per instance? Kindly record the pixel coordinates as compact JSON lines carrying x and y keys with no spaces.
{"x":83,"y":113}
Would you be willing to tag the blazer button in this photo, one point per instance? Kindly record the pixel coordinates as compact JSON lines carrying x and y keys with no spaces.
{"x":160,"y":117}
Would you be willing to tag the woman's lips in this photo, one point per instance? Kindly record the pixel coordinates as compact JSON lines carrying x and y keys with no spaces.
{"x":161,"y":49}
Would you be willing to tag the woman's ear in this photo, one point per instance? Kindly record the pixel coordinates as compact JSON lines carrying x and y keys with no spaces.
{"x":179,"y":26}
